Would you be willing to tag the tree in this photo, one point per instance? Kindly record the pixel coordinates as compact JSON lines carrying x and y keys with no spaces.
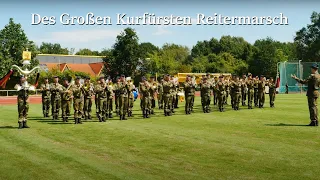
{"x":88,"y":52}
{"x":307,"y":40}
{"x":13,"y":42}
{"x":49,"y":48}
{"x":147,"y":48}
{"x":125,"y":54}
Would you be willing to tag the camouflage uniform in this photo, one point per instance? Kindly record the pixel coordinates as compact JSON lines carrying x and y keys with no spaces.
{"x":167,"y":97}
{"x":88,"y":92}
{"x":130,"y":98}
{"x":236,"y":94}
{"x":255,"y":95}
{"x":250,"y":85}
{"x":189,"y":90}
{"x":261,"y":93}
{"x":23,"y":105}
{"x":102,"y":92}
{"x":272,"y":93}
{"x":206,"y":95}
{"x":227,"y":85}
{"x":215,"y":92}
{"x":173,"y":97}
{"x":56,"y":90}
{"x":160,"y":95}
{"x":110,"y":100}
{"x":221,"y":94}
{"x":244,"y":92}
{"x":145,"y":95}
{"x":117,"y":96}
{"x":78,"y":101}
{"x":46,"y":95}
{"x":153,"y":90}
{"x":65,"y":103}
{"x":123,"y":88}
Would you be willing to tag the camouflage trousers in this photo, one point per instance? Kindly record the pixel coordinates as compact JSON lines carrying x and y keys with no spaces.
{"x":87,"y":107}
{"x":261,"y":99}
{"x":130,"y":104}
{"x":78,"y":107}
{"x":146,"y":103}
{"x":256,"y":97}
{"x":227,"y":96}
{"x":167,"y":98}
{"x":117,"y":103}
{"x":160,"y":100}
{"x":189,"y":98}
{"x":46,"y":106}
{"x":313,"y":108}
{"x":272,"y":97}
{"x":215,"y":98}
{"x":221,"y":100}
{"x":123,"y":105}
{"x":65,"y":107}
{"x":236,"y":100}
{"x":56,"y":104}
{"x":103,"y":107}
{"x":23,"y":109}
{"x":206,"y":103}
{"x":243,"y":97}
{"x":110,"y":106}
{"x":96,"y":102}
{"x":250,"y":97}
{"x":173,"y":104}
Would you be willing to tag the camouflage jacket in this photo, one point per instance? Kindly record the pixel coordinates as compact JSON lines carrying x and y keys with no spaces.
{"x":56,"y":89}
{"x":167,"y":87}
{"x":313,"y":82}
{"x":77,"y":91}
{"x":144,"y":89}
{"x":101,"y":91}
{"x":45,"y":91}
{"x":88,"y":90}
{"x":66,"y":95}
{"x":221,"y":88}
{"x":206,"y":89}
{"x":189,"y":88}
{"x":261,"y":86}
{"x":235,"y":87}
{"x":123,"y":88}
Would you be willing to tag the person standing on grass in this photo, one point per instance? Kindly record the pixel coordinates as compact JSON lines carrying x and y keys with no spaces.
{"x":46,"y":95}
{"x":313,"y":82}
{"x":272,"y":91}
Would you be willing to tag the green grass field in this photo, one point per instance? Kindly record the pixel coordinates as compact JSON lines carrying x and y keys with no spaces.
{"x":247,"y":144}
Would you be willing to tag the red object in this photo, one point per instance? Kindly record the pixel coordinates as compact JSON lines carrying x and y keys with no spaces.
{"x":4,"y":80}
{"x":37,"y":80}
{"x":278,"y":81}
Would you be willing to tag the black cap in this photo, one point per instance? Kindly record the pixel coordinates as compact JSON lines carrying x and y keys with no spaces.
{"x":65,"y":79}
{"x":78,"y":77}
{"x":144,"y":78}
{"x":261,"y":76}
{"x":167,"y":75}
{"x":314,"y":66}
{"x":205,"y":78}
{"x":102,"y":77}
{"x":46,"y":78}
{"x":221,"y":76}
{"x":208,"y":74}
{"x":55,"y":76}
{"x":152,"y":77}
{"x":122,"y":75}
{"x":21,"y":76}
{"x":249,"y":74}
{"x":87,"y":78}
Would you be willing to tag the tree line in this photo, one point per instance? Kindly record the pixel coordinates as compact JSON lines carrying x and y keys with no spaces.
{"x":133,"y":58}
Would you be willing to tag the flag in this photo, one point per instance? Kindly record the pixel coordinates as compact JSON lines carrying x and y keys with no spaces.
{"x":4,"y":80}
{"x":37,"y":80}
{"x":278,"y":80}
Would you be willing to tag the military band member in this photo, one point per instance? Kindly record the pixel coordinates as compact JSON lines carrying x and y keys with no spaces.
{"x":244,"y":90}
{"x":221,"y":93}
{"x":78,"y":100}
{"x":189,"y":90}
{"x":117,"y":94}
{"x":256,"y":93}
{"x":232,"y":91}
{"x":261,"y":91}
{"x":215,"y":95}
{"x":167,"y":95}
{"x":23,"y":89}
{"x":45,"y":96}
{"x":101,"y":91}
{"x":56,"y":90}
{"x":88,"y":92}
{"x":313,"y":82}
{"x":153,"y":91}
{"x":173,"y":94}
{"x":236,"y":92}
{"x":96,"y":98}
{"x":206,"y":92}
{"x":110,"y":95}
{"x":250,"y":84}
{"x":130,"y":96}
{"x":200,"y":84}
{"x":160,"y":94}
{"x":228,"y":81}
{"x":145,"y":95}
{"x":65,"y":100}
{"x":123,"y":88}
{"x":272,"y":91}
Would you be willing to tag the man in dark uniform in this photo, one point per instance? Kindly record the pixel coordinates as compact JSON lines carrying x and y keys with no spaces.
{"x":123,"y":101}
{"x":56,"y":90}
{"x":167,"y":95}
{"x":272,"y":91}
{"x":313,"y":82}
{"x":78,"y":100}
{"x":261,"y":91}
{"x":221,"y":93}
{"x":88,"y":92}
{"x":206,"y":94}
{"x":189,"y":90}
{"x":65,"y":100}
{"x":250,"y":84}
{"x":255,"y":94}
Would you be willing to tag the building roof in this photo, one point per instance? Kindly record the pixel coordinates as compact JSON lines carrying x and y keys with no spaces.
{"x":73,"y":59}
{"x":93,"y":69}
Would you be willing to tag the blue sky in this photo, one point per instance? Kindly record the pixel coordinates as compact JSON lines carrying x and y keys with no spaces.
{"x":99,"y":37}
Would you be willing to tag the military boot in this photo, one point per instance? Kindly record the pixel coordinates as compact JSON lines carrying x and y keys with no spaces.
{"x":20,"y":125}
{"x":89,"y":116}
{"x":147,"y":113}
{"x":121,"y":117}
{"x":312,"y":123}
{"x":25,"y":124}
{"x":110,"y":115}
{"x":79,"y":121}
{"x":75,"y":120}
{"x":144,"y":114}
{"x":124,"y":117}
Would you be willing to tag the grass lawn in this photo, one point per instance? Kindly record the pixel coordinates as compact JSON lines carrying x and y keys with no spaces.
{"x":247,"y":144}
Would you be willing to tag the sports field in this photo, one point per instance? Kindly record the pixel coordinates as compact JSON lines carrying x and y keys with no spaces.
{"x":247,"y":144}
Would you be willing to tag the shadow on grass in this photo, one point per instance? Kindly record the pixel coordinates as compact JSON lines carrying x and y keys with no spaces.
{"x":8,"y":127}
{"x":282,"y":124}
